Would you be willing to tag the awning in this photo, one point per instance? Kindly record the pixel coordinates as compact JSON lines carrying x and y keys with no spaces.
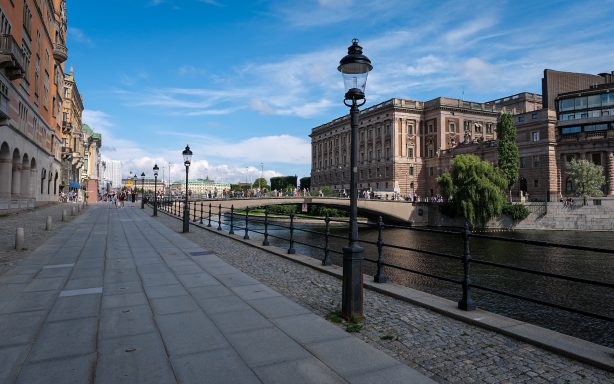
{"x":74,"y":184}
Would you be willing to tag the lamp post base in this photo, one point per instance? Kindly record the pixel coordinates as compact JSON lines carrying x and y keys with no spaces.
{"x":186,"y":220}
{"x":352,"y":291}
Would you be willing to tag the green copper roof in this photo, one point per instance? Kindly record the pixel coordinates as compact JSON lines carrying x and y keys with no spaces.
{"x":86,"y":129}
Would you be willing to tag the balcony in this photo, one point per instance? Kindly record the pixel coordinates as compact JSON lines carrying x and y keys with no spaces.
{"x":60,"y":52}
{"x":66,"y":153}
{"x":66,"y":127}
{"x":11,"y":57}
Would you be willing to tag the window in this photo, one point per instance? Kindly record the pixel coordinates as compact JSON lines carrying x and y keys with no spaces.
{"x":430,"y":171}
{"x":430,"y":153}
{"x":521,"y":119}
{"x":566,"y":105}
{"x":534,"y":115}
{"x":536,"y":162}
{"x":570,"y":130}
{"x":536,"y":183}
{"x":522,"y":162}
{"x":594,"y":101}
{"x":595,"y":127}
{"x":430,"y":128}
{"x":410,"y":152}
{"x":535,"y":136}
{"x":452,"y":127}
{"x":580,"y":102}
{"x":411,"y":171}
{"x":27,"y":19}
{"x":410,"y":129}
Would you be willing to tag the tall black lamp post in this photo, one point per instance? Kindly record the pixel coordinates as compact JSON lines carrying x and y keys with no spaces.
{"x":143,"y":190}
{"x":187,"y":160}
{"x":355,"y":68}
{"x":155,"y":170}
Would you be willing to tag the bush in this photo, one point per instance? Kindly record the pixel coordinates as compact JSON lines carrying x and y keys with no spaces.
{"x":318,"y":210}
{"x":516,"y":211}
{"x":283,"y":209}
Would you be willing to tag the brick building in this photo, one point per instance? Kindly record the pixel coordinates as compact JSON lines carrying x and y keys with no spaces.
{"x":32,"y":55}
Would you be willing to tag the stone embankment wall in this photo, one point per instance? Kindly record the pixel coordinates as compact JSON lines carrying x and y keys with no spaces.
{"x":596,"y":215}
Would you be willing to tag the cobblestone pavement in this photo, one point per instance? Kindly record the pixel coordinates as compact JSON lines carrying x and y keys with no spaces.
{"x":447,"y":350}
{"x":33,"y":223}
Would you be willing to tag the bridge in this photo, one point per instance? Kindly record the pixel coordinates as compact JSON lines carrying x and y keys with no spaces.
{"x":391,"y":210}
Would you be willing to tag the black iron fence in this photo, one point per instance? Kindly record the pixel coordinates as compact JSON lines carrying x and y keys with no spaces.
{"x":207,"y":212}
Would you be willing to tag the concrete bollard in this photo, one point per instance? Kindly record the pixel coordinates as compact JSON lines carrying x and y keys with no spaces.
{"x":48,"y":224}
{"x":73,"y":210}
{"x":19,"y":235}
{"x":63,"y":215}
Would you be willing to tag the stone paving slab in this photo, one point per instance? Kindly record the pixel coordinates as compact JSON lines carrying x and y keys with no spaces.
{"x":108,"y":301}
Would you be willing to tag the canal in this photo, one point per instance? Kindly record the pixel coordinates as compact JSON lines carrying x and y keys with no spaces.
{"x":580,"y":264}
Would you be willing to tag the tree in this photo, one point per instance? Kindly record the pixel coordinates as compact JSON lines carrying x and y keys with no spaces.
{"x":261,"y":183}
{"x":507,"y":150}
{"x":587,"y":178}
{"x":305,"y":182}
{"x":474,"y":189}
{"x":282,"y":182}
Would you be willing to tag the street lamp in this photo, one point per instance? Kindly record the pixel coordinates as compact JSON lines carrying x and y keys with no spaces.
{"x":134,"y":179}
{"x":143,"y":190}
{"x":354,"y":68}
{"x":187,"y":160}
{"x":155,"y":170}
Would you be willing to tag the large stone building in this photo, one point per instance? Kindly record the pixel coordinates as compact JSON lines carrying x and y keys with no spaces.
{"x":32,"y":53}
{"x":404,"y":144}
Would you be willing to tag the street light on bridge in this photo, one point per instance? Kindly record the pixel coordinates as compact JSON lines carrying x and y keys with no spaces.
{"x":355,"y":68}
{"x":187,"y":160}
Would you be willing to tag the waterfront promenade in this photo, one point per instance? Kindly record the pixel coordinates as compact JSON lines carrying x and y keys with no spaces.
{"x":116,"y":297}
{"x":115,"y":294}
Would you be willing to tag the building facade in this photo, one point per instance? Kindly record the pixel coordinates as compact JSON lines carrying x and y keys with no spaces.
{"x":32,"y":55}
{"x":90,"y":176}
{"x":73,"y":148}
{"x":404,"y":144}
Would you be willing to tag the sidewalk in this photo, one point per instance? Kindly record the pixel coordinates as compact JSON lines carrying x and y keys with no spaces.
{"x":116,"y":297}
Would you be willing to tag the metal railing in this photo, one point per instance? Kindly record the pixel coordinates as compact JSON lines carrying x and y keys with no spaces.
{"x":465,"y":261}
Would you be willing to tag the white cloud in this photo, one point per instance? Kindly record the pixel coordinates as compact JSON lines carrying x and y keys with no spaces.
{"x":77,"y":35}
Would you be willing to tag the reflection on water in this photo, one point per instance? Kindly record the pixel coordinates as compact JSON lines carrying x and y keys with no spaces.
{"x":582,"y":264}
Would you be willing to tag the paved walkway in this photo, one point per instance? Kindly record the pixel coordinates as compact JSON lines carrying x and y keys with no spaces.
{"x":116,"y":297}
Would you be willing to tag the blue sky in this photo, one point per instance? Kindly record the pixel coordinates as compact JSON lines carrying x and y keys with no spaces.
{"x":244,"y":82}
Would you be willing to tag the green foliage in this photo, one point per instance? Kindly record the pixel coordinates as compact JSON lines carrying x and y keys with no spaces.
{"x":508,"y":158}
{"x":587,"y":178}
{"x":319,"y":210}
{"x":305,"y":182}
{"x":282,"y":182}
{"x":261,"y":183}
{"x":516,"y":211}
{"x":285,"y":209}
{"x":475,"y":188}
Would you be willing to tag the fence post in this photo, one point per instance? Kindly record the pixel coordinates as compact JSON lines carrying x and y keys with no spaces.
{"x":201,"y":213}
{"x":209,"y":224}
{"x":265,"y":242}
{"x":194,"y":210}
{"x":246,"y":237}
{"x":219,"y":218}
{"x":325,"y":260}
{"x":380,"y":277}
{"x":291,"y":250}
{"x":232,"y":216}
{"x":466,"y":303}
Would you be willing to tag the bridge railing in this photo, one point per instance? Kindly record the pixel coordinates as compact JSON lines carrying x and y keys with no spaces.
{"x":377,"y":251}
